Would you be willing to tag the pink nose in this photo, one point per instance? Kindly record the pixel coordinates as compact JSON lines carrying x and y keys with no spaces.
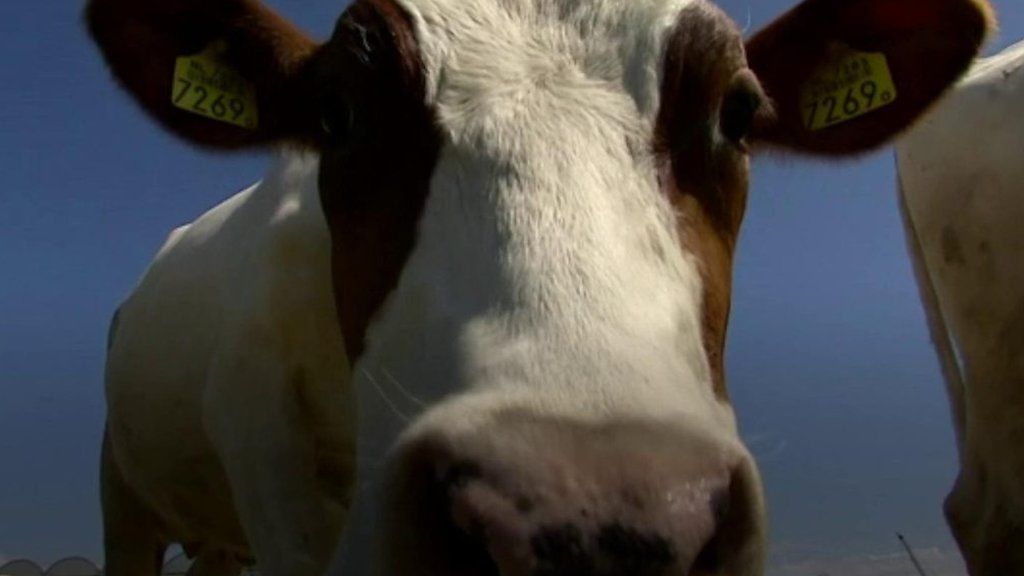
{"x":543,"y":498}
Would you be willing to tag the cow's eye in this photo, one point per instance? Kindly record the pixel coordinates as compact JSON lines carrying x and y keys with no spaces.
{"x":740,"y":107}
{"x":338,"y":120}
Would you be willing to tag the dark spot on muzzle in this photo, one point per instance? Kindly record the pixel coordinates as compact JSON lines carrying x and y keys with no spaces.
{"x":616,"y":551}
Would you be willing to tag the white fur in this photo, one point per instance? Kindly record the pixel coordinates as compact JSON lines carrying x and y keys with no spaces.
{"x":547,"y":254}
{"x":962,"y":175}
{"x":231,"y":323}
{"x":548,"y":274}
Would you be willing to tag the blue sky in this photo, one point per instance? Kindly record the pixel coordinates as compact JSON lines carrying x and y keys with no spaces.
{"x":829,"y":362}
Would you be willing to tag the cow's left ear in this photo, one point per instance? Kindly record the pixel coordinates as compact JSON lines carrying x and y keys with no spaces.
{"x":225,"y":74}
{"x":846,"y":76}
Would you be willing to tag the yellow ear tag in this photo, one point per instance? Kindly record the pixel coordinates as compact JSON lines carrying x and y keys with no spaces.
{"x":205,"y":85}
{"x":857,"y":84}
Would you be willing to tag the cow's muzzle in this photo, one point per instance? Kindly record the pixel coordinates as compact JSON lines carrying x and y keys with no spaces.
{"x":537,"y":497}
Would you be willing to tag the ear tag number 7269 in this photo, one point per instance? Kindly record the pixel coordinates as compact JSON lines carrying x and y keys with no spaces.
{"x":205,"y":85}
{"x":857,"y":84}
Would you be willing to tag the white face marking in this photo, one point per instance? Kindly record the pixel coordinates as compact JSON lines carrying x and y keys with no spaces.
{"x":547,"y":271}
{"x":548,"y":274}
{"x":548,"y":262}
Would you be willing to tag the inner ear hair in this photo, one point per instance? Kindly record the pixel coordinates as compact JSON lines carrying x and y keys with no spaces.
{"x":142,"y":39}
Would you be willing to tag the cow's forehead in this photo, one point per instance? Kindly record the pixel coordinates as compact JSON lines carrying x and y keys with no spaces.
{"x":500,"y":42}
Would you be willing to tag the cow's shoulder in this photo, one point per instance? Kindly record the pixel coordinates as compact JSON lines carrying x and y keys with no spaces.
{"x":288,"y":279}
{"x":998,"y":67}
{"x":252,"y":273}
{"x":985,"y":105}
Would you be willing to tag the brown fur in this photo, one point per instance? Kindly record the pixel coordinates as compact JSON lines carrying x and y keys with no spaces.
{"x":141,"y":39}
{"x":707,"y":177}
{"x":928,"y":43}
{"x":373,"y":190}
{"x":704,"y":174}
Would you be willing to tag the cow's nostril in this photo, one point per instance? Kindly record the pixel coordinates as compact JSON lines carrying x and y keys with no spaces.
{"x":470,"y":551}
{"x":560,"y":550}
{"x":457,"y":475}
{"x":425,"y":535}
{"x":632,"y":552}
{"x":567,"y":551}
{"x":464,"y":538}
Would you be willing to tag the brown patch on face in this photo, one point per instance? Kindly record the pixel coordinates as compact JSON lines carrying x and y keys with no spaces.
{"x":377,"y":160}
{"x":707,"y":94}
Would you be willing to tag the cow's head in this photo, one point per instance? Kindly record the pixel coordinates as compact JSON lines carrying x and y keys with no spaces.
{"x":533,"y":207}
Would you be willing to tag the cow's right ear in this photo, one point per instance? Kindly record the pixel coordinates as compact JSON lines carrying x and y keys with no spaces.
{"x":226,"y":74}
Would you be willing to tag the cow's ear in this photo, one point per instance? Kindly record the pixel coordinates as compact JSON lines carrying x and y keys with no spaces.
{"x":846,"y":76}
{"x":220,"y":73}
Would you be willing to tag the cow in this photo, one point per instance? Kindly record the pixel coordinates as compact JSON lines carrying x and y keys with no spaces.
{"x":959,"y":170}
{"x":473,"y":320}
